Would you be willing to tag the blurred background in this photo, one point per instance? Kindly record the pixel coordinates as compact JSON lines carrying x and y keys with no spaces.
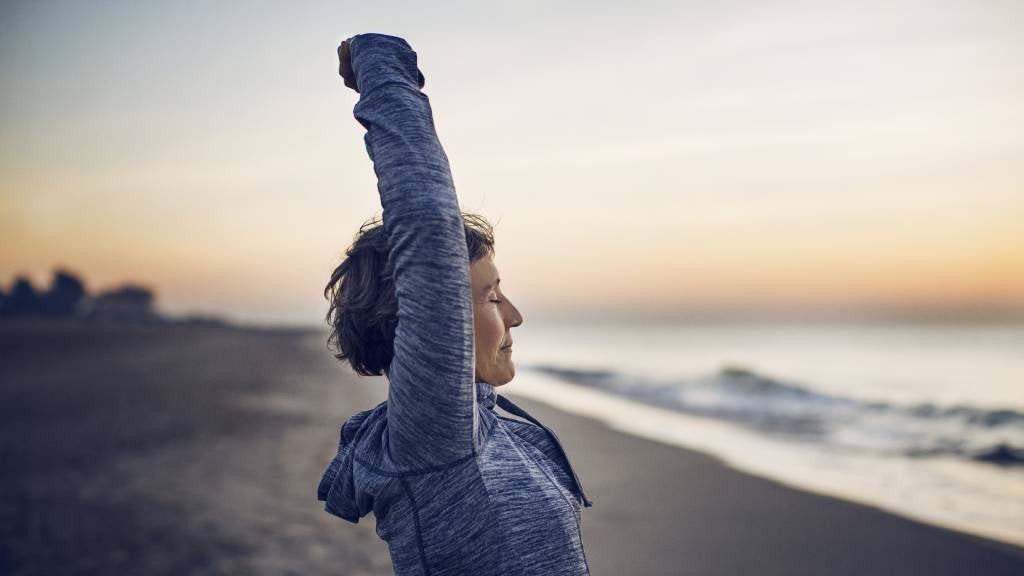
{"x":787,"y":235}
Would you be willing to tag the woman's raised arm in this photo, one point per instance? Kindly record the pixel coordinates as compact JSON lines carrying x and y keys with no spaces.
{"x":431,"y":392}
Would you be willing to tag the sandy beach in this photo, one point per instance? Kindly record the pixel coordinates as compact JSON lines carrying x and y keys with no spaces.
{"x":175,"y":449}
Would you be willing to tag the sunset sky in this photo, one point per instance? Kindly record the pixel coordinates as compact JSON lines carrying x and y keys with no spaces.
{"x":637,"y":158}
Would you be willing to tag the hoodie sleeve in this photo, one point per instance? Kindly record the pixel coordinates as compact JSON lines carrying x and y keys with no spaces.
{"x":431,"y":406}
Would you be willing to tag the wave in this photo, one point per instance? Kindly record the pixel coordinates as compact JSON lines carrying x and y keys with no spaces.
{"x":1002,"y":454}
{"x":795,"y":411}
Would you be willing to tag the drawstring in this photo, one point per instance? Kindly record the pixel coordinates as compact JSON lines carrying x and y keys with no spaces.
{"x":510,"y":407}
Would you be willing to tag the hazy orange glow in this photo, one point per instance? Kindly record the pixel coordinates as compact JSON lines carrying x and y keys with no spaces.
{"x":701,"y":161}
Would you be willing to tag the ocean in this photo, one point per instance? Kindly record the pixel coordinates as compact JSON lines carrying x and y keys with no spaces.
{"x":923,"y":420}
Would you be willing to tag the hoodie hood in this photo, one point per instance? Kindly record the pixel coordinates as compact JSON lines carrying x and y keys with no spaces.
{"x":339,"y":490}
{"x":337,"y":486}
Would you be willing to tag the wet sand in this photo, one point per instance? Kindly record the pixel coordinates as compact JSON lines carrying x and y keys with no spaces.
{"x":197,"y":450}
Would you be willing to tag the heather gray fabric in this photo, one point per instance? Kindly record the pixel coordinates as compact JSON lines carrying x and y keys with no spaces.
{"x":455,"y":487}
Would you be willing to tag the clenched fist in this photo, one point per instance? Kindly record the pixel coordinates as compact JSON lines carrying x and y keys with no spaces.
{"x":345,"y":65}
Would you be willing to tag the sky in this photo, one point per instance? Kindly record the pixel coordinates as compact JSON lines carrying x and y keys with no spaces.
{"x":638,"y":159}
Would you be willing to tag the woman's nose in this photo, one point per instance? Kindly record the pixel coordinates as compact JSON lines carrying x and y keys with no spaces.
{"x":515,"y":318}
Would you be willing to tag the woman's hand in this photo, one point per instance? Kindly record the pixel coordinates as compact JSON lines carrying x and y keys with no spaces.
{"x":345,"y":65}
{"x":345,"y":57}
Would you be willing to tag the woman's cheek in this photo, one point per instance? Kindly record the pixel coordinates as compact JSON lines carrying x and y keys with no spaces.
{"x":484,"y":322}
{"x":495,"y":328}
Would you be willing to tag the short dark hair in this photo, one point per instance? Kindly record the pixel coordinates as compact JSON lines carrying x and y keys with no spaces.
{"x":363,"y":309}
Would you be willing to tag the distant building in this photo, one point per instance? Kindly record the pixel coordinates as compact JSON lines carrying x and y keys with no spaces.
{"x":64,"y":296}
{"x":23,"y":299}
{"x":67,"y":297}
{"x":125,"y":304}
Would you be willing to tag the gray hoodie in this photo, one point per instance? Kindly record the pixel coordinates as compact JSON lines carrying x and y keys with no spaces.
{"x":455,"y":487}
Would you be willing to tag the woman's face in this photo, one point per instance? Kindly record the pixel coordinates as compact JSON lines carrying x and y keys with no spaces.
{"x":493,"y":316}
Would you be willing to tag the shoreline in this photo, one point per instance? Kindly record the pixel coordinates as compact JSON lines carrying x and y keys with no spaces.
{"x":695,"y":509}
{"x":734,"y":446}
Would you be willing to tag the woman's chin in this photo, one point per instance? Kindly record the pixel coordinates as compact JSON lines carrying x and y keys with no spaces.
{"x":505,"y":377}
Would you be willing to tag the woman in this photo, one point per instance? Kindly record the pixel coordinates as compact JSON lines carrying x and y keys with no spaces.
{"x":455,"y":487}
